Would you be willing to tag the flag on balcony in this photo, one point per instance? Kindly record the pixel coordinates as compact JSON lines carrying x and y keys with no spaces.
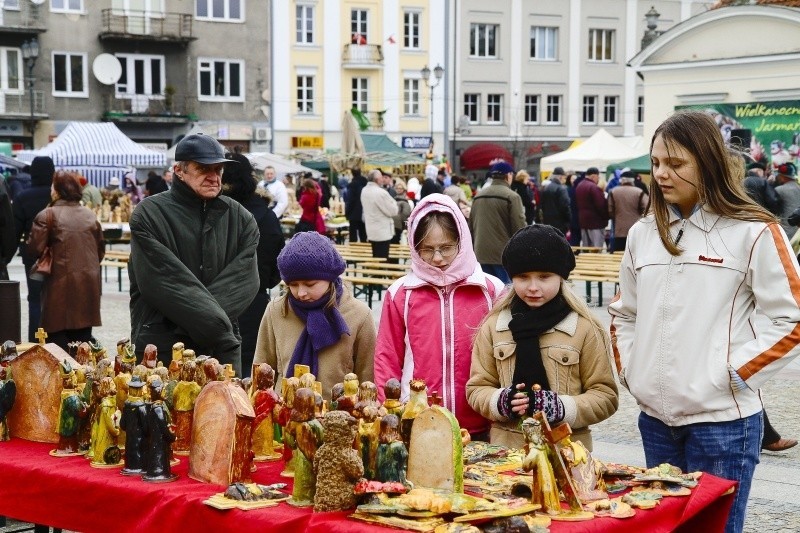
{"x":391,"y":39}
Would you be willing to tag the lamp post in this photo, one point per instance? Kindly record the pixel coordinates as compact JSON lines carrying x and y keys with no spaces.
{"x":30,"y":53}
{"x":438,"y":72}
{"x":652,"y":23}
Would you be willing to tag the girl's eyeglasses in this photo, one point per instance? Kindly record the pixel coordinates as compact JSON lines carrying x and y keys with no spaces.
{"x":446,"y":252}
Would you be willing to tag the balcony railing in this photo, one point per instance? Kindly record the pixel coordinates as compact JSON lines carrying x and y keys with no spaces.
{"x":25,"y":20}
{"x":362,"y":56}
{"x":141,"y":25}
{"x":19,"y":105}
{"x":144,"y":108}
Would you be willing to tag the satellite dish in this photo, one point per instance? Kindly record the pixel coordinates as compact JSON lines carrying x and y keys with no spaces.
{"x":265,"y":95}
{"x":107,"y":69}
{"x":38,"y":2}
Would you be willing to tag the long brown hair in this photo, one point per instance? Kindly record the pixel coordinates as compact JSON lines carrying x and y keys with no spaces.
{"x":721,"y":173}
{"x":67,"y":185}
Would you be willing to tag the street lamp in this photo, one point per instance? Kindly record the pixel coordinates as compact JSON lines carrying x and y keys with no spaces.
{"x":30,"y":53}
{"x":652,"y":23}
{"x":438,"y":72}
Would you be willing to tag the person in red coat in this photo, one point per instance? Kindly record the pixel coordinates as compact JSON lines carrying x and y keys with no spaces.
{"x":592,"y":209}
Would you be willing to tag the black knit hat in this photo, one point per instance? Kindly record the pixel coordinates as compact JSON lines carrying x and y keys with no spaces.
{"x":538,"y":248}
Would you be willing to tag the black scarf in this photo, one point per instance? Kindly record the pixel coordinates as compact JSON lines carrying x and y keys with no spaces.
{"x":526,"y":325}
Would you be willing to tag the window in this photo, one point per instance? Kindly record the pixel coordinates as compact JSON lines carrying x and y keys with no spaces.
{"x":220,"y":10}
{"x":69,"y":74}
{"x":66,"y":6}
{"x":610,"y":109}
{"x":358,"y":26}
{"x":10,"y":68}
{"x":305,"y":95}
{"x":482,"y":39}
{"x":140,"y":16}
{"x":590,"y":110}
{"x":360,"y":93}
{"x":141,"y":74}
{"x":601,"y":45}
{"x":305,"y":24}
{"x":472,"y":103}
{"x":411,"y":29}
{"x":532,"y":108}
{"x":411,"y":96}
{"x":494,"y":108}
{"x":12,"y":5}
{"x":543,"y":43}
{"x":640,"y":110}
{"x":553,"y":109}
{"x":221,"y":80}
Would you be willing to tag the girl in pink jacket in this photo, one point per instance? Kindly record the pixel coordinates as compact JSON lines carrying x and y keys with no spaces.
{"x":431,"y":315}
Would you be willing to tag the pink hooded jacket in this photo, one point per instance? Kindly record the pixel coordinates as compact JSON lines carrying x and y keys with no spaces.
{"x":430,"y":318}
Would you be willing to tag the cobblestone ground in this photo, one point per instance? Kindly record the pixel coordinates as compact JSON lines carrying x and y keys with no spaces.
{"x":775,"y":497}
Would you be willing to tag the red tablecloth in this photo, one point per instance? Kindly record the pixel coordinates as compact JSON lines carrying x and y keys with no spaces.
{"x":69,"y":494}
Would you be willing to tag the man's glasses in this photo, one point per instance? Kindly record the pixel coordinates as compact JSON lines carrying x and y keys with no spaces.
{"x":446,"y":252}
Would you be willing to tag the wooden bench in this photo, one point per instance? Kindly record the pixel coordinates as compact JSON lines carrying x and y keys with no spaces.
{"x":367,"y":285}
{"x":115,"y":259}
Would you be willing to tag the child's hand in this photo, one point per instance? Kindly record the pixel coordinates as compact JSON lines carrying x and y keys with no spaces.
{"x":513,"y":401}
{"x":520,"y":400}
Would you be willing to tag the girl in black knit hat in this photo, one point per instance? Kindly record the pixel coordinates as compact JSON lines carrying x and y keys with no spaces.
{"x":541,"y":334}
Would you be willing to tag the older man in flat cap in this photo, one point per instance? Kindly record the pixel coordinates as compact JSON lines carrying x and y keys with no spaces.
{"x":192,"y":269}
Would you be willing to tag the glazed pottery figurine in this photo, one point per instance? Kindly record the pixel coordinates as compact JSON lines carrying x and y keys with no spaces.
{"x":290,"y":386}
{"x":348,"y":401}
{"x":98,"y":351}
{"x":265,"y":404}
{"x":417,"y":402}
{"x":183,"y":398}
{"x":337,"y":465}
{"x":392,"y":403}
{"x":392,"y":460}
{"x":71,"y":411}
{"x":159,"y":437}
{"x":8,"y":352}
{"x":8,"y":391}
{"x":134,"y":415}
{"x":303,"y":435}
{"x":544,"y":488}
{"x":150,"y":357}
{"x":125,"y":350}
{"x":337,"y":391}
{"x":104,"y":447}
{"x":368,"y":429}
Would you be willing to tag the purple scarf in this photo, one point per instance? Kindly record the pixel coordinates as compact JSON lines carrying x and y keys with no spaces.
{"x":323,"y":329}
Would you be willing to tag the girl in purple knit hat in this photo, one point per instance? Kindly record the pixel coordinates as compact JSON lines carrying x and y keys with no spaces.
{"x":317,"y":322}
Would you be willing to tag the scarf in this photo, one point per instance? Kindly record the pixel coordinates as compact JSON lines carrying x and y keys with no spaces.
{"x":323,"y":328}
{"x":526,"y":325}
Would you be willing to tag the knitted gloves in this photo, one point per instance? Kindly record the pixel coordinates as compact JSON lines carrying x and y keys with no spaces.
{"x":538,"y":400}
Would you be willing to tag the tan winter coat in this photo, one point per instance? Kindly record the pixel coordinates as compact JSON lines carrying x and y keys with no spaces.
{"x":577,"y":359}
{"x":355,"y":353}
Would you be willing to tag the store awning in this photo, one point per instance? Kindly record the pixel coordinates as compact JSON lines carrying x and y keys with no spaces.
{"x":639,"y":164}
{"x":480,"y":156}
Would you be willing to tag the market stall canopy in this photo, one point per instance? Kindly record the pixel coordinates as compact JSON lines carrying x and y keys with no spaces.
{"x":382,"y":151}
{"x":480,"y":156}
{"x":97,"y":150}
{"x":639,"y":164}
{"x":599,"y":150}
{"x":262,"y":160}
{"x":352,"y":153}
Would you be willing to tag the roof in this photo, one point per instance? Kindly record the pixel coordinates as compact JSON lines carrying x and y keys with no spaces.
{"x":599,"y":150}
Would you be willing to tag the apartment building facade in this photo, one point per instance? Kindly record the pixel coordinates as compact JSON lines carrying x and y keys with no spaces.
{"x":173,"y":64}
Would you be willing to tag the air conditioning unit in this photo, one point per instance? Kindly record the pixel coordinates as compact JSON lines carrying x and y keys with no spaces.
{"x":261,"y":134}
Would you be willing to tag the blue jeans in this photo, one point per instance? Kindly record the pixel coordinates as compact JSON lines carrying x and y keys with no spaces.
{"x":728,"y":450}
{"x":497,"y":271}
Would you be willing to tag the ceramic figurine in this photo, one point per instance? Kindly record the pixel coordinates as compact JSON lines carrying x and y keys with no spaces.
{"x":83,"y":355}
{"x":177,"y":361}
{"x":368,"y":396}
{"x":290,"y":386}
{"x":337,"y":391}
{"x":337,"y":465}
{"x":150,"y":358}
{"x":392,"y":459}
{"x":8,"y":352}
{"x":98,"y":351}
{"x":303,"y":435}
{"x":104,"y":447}
{"x":72,"y":349}
{"x":159,"y":437}
{"x":544,"y":488}
{"x":132,"y":421}
{"x":210,"y":370}
{"x":125,"y":350}
{"x":585,"y":471}
{"x":126,"y":363}
{"x":435,"y":455}
{"x":183,"y":398}
{"x":8,"y":392}
{"x":91,"y":397}
{"x":71,"y":411}
{"x":265,"y":405}
{"x":417,"y":402}
{"x":392,"y":403}
{"x":369,"y":424}
{"x":348,"y":401}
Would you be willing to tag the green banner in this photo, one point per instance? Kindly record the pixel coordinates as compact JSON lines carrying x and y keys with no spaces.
{"x":774,"y":128}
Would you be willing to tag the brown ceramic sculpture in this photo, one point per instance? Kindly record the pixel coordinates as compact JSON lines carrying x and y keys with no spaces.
{"x":265,"y":404}
{"x":337,"y":465}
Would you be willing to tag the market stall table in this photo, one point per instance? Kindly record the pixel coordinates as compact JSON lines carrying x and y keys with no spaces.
{"x":68,"y":493}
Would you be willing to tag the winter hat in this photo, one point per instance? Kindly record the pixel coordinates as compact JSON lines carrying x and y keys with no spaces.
{"x":42,"y":170}
{"x":538,"y":248}
{"x":591,"y":171}
{"x":559,"y":171}
{"x":309,"y":256}
{"x":501,"y":168}
{"x":788,"y":170}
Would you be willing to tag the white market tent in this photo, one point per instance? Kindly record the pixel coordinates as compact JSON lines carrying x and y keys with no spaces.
{"x":599,"y":150}
{"x":261,"y":160}
{"x":97,"y":150}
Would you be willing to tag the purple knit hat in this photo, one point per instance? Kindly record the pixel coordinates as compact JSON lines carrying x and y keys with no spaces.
{"x":309,"y":256}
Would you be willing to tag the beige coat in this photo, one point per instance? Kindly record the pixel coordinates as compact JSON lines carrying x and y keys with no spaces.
{"x":379,"y":208}
{"x":355,"y":353}
{"x":577,"y":359}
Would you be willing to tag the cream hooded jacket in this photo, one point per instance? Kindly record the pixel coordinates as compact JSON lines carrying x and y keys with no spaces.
{"x":679,"y":323}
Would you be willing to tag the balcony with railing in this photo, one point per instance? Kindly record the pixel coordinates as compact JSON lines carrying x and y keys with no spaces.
{"x":18,"y":106}
{"x":362,"y":56}
{"x":26,"y":20}
{"x":145,"y":26}
{"x":164,"y":109}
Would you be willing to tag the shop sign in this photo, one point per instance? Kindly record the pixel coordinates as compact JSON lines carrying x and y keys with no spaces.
{"x":307,"y":142}
{"x":416,"y":143}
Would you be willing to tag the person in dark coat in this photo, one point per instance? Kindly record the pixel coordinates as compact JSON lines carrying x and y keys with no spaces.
{"x":760,"y":190}
{"x":8,"y":233}
{"x":159,"y":437}
{"x":573,"y":180}
{"x":155,"y":184}
{"x":520,"y":186}
{"x":26,"y":206}
{"x":555,"y":204}
{"x":239,"y":183}
{"x":325,"y":187}
{"x":592,"y":209}
{"x":19,"y":181}
{"x":353,"y":209}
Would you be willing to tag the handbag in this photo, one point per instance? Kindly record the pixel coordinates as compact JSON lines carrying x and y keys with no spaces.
{"x":41,"y":268}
